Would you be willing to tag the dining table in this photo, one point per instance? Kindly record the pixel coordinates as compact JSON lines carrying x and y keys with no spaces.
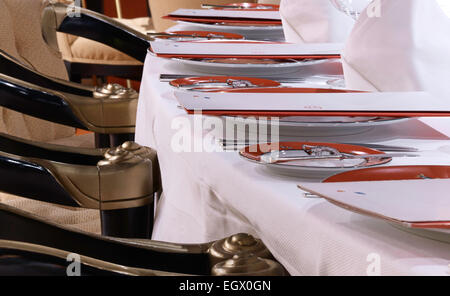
{"x":210,"y":192}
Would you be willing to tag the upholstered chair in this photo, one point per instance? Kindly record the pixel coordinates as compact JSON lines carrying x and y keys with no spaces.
{"x":40,"y":104}
{"x":119,"y":185}
{"x":86,"y":58}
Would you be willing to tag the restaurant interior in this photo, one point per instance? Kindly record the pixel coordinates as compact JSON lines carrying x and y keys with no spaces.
{"x":212,"y":138}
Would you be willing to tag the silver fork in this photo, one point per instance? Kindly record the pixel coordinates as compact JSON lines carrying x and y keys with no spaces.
{"x":235,"y":145}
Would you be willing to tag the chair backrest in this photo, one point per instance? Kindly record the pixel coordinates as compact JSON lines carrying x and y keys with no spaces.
{"x":21,"y":37}
{"x":160,"y":8}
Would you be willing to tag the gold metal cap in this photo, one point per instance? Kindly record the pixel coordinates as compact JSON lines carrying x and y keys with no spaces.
{"x":247,"y":264}
{"x":127,"y":176}
{"x":115,"y":91}
{"x":226,"y":248}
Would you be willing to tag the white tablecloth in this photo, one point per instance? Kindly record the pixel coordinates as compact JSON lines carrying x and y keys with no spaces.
{"x":208,"y":196}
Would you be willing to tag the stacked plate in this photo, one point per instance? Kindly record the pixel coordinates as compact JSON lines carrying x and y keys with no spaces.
{"x":245,"y":57}
{"x":254,"y":21}
{"x":284,"y":126}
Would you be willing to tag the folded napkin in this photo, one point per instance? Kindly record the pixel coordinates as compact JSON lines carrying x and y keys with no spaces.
{"x":406,"y":48}
{"x":316,"y":21}
{"x":445,"y":4}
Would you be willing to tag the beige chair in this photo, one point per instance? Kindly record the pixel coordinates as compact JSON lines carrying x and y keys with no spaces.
{"x":21,"y":38}
{"x":86,"y":58}
{"x":34,"y":81}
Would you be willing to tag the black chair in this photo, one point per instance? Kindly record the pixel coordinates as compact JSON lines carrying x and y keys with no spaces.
{"x":62,"y":101}
{"x":85,"y":58}
{"x":121,"y":183}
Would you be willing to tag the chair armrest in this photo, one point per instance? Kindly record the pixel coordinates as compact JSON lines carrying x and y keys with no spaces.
{"x":137,"y":257}
{"x":110,"y":110}
{"x":11,"y":67}
{"x":125,"y":178}
{"x":119,"y":178}
{"x":98,"y":27}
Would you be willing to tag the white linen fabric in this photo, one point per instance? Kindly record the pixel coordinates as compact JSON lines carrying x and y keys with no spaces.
{"x":445,"y":5}
{"x":405,"y":49}
{"x":210,"y":195}
{"x":316,"y":21}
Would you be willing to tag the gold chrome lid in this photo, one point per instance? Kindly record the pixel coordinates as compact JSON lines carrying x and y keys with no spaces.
{"x":226,"y":248}
{"x":246,"y":264}
{"x":115,"y":91}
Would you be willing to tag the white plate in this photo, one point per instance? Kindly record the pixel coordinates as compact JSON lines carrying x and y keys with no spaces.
{"x":224,"y":68}
{"x":269,"y":32}
{"x":317,"y":170}
{"x":405,"y":204}
{"x":298,"y":126}
{"x":442,"y":235}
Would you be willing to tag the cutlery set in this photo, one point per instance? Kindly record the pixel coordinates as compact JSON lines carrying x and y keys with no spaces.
{"x":319,"y":80}
{"x":278,"y":157}
{"x":236,"y":145}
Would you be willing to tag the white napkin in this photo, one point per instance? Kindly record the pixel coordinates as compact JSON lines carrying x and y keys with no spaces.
{"x":316,"y":21}
{"x":405,"y":49}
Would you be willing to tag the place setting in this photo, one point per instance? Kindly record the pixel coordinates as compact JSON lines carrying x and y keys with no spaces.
{"x":253,"y":20}
{"x":286,"y":126}
{"x":404,"y":202}
{"x":237,"y":57}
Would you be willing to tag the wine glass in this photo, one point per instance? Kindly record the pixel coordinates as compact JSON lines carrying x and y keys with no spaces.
{"x":347,"y":7}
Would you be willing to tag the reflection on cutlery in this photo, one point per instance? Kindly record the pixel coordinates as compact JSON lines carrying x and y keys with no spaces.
{"x":277,"y":157}
{"x":235,"y":144}
{"x":312,"y":79}
{"x":236,"y":6}
{"x":173,"y":35}
{"x":310,"y":195}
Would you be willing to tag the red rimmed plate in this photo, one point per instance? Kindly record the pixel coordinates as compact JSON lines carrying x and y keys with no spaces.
{"x":284,"y":102}
{"x":229,"y":21}
{"x":210,"y":83}
{"x":421,"y":206}
{"x":252,"y":6}
{"x":299,"y":90}
{"x":201,"y":34}
{"x":393,"y":173}
{"x":245,"y":49}
{"x":312,"y":169}
{"x":246,"y":67}
{"x":311,"y":126}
